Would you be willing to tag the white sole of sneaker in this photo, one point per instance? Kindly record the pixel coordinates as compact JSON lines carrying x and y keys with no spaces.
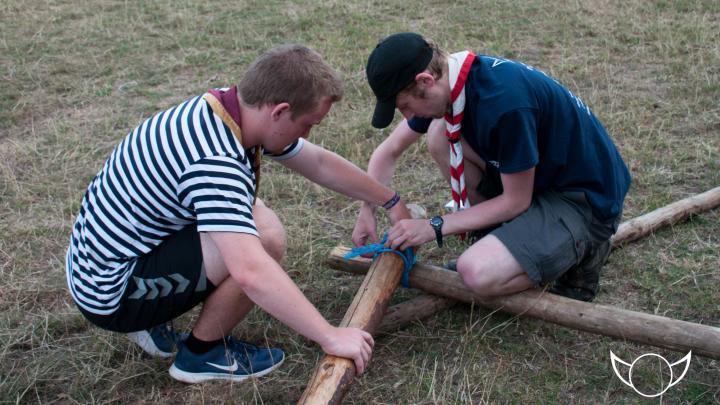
{"x":194,"y":378}
{"x":145,"y":342}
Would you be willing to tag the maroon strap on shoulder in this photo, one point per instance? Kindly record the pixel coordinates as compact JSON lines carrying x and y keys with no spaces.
{"x":229,"y":101}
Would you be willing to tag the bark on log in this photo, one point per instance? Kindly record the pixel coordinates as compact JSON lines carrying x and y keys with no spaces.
{"x":334,"y":375}
{"x":412,"y":310}
{"x":601,"y":319}
{"x":643,"y":225}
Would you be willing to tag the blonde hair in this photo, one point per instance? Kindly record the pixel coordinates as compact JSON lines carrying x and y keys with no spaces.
{"x":292,"y":74}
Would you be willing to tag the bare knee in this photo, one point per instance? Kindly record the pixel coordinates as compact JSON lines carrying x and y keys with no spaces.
{"x":475,"y":277}
{"x":274,"y":242}
{"x":491,"y":277}
{"x":213,"y":263}
{"x":272,"y":233}
{"x":437,"y":143}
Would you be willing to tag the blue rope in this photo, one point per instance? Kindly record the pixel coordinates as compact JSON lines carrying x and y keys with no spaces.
{"x":408,"y":256}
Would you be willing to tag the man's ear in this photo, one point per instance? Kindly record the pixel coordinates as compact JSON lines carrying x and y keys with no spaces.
{"x":278,"y":110}
{"x":425,"y":79}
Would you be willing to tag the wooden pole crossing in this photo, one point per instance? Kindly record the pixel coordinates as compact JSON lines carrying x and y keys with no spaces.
{"x":601,"y":319}
{"x":334,"y":375}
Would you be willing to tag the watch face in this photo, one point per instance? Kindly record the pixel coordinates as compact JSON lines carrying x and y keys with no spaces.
{"x":436,"y":221}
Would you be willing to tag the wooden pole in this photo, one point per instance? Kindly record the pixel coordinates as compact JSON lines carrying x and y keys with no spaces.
{"x":334,"y":375}
{"x":601,"y":319}
{"x":412,"y":310}
{"x":643,"y":225}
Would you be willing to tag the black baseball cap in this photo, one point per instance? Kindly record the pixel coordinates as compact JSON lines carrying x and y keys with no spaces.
{"x":391,"y":67}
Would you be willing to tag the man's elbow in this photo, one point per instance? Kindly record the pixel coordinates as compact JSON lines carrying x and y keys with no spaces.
{"x":523,"y":205}
{"x":247,"y":277}
{"x":387,"y":150}
{"x":517,"y":206}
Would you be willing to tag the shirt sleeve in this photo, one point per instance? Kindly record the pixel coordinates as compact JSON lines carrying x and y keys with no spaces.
{"x":516,"y":132}
{"x":219,"y":190}
{"x":290,"y":151}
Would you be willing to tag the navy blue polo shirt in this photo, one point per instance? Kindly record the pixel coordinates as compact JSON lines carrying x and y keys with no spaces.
{"x":517,"y":117}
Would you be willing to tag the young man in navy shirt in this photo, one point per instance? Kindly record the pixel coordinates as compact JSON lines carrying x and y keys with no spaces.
{"x":541,"y":179}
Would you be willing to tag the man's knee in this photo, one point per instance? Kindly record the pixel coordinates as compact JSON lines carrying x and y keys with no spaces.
{"x":489,"y":269}
{"x":272,"y":233}
{"x":475,"y":275}
{"x":437,"y":142}
{"x":273,"y":240}
{"x":213,"y":264}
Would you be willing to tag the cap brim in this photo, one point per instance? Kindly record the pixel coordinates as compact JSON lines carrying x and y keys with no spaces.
{"x":384,"y":113}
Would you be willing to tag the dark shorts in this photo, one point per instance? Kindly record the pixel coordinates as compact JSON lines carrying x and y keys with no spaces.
{"x":165,"y":283}
{"x":554,"y":235}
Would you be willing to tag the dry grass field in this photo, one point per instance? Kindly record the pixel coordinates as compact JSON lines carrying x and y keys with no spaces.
{"x":76,"y":76}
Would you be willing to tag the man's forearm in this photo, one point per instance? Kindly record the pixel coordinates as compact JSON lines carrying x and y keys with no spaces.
{"x":263,"y":280}
{"x":346,"y":178}
{"x":381,"y":169}
{"x":272,"y":290}
{"x":382,"y":162}
{"x":487,"y":213}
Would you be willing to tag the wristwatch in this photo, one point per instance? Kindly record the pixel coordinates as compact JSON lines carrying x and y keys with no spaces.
{"x":437,"y":222}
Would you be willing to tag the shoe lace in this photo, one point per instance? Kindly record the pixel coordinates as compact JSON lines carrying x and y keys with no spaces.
{"x":241,"y":345}
{"x":169,"y":332}
{"x":240,"y":351}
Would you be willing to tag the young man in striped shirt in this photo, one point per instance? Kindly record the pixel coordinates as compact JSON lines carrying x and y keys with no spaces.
{"x":172,"y":220}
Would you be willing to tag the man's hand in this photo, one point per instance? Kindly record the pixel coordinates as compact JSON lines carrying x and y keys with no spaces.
{"x":365,"y":226}
{"x":398,"y":212}
{"x":351,"y":343}
{"x":409,"y":232}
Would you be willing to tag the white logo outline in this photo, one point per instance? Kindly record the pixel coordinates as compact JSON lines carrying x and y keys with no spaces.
{"x":615,"y":359}
{"x":231,"y":368}
{"x":498,"y":61}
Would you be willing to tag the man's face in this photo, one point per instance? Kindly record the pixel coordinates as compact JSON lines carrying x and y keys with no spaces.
{"x":426,"y":104}
{"x":287,"y":130}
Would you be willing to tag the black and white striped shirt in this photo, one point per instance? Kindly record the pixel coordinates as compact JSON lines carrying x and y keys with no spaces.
{"x":179,"y":167}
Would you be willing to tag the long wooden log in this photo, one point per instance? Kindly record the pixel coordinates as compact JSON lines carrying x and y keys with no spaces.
{"x":643,"y":225}
{"x":399,"y":315}
{"x":601,"y":319}
{"x":334,"y":375}
{"x":628,"y":231}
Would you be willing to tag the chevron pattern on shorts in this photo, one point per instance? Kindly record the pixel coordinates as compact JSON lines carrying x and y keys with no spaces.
{"x":152,"y":288}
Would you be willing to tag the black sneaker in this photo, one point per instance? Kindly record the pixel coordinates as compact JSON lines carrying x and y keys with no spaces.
{"x":583,"y":281}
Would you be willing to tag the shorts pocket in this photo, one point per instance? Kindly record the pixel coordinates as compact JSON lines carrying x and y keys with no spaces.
{"x":562,"y":251}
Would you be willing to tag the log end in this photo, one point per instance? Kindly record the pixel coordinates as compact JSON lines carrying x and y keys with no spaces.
{"x":330,"y":382}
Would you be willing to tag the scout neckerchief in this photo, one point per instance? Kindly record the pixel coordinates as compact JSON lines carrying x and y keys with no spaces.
{"x":458,"y":69}
{"x":220,"y":110}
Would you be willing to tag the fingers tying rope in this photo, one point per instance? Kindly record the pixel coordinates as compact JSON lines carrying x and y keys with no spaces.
{"x":408,"y":256}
